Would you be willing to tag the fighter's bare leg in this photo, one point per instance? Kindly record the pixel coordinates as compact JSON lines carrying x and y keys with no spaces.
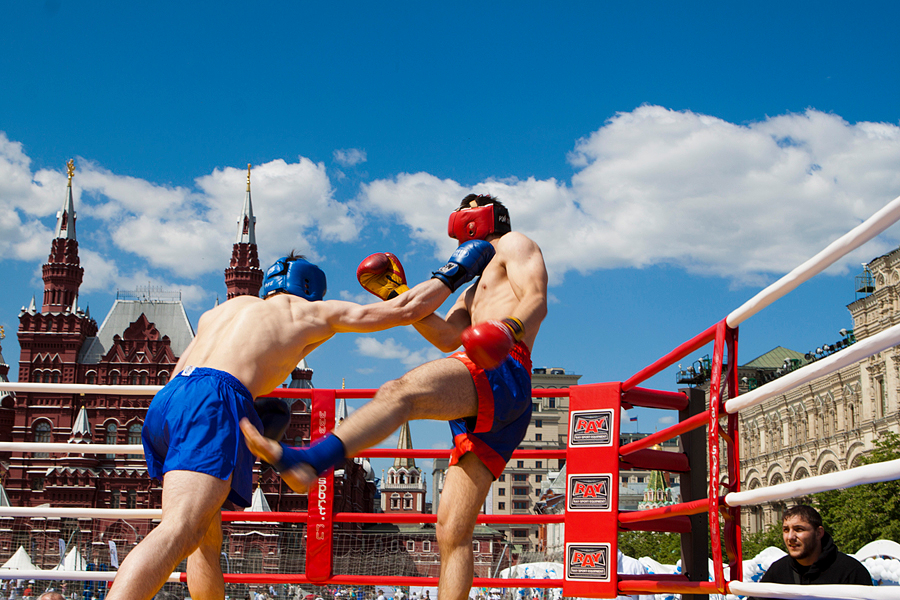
{"x":190,"y":502}
{"x":299,"y":478}
{"x":465,"y":488}
{"x":204,"y":569}
{"x":442,"y":390}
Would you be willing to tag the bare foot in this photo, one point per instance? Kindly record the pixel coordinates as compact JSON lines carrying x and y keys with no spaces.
{"x":299,"y":478}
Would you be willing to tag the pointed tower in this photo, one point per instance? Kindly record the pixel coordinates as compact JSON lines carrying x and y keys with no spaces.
{"x":403,"y":489}
{"x":243,"y":276}
{"x":50,"y":339}
{"x":7,"y":404}
{"x":658,"y":492}
{"x":4,"y":372}
{"x":63,"y":271}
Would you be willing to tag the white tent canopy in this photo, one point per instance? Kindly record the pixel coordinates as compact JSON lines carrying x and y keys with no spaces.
{"x":19,"y":561}
{"x":74,"y":562}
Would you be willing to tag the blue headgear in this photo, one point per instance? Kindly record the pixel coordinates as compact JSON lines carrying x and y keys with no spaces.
{"x":298,"y":277}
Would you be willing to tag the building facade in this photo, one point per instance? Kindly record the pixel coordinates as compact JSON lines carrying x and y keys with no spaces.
{"x":138,"y":343}
{"x":829,"y":424}
{"x":518,"y":490}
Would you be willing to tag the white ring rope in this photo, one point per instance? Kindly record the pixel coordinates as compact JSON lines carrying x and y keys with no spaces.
{"x":874,"y":473}
{"x":813,"y":592}
{"x":71,"y":448}
{"x":848,"y":242}
{"x":81,"y":388}
{"x":64,"y":575}
{"x":80,"y":513}
{"x":863,"y":349}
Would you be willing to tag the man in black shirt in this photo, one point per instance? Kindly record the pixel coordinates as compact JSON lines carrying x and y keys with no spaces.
{"x":812,"y":557}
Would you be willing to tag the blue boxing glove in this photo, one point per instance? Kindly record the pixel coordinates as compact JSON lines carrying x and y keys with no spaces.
{"x":465,"y":264}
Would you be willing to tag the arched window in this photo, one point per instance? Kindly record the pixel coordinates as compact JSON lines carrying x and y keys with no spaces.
{"x":112,"y":433}
{"x":134,"y":378}
{"x":114,"y":378}
{"x":54,"y":377}
{"x":43,"y":434}
{"x":134,"y":437}
{"x":162,"y":378}
{"x":142,"y":380}
{"x":91,"y":378}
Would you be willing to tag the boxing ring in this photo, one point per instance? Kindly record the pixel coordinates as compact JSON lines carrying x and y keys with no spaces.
{"x":709,"y":467}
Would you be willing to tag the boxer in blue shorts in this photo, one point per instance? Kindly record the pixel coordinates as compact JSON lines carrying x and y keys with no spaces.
{"x":485,"y":393}
{"x":244,"y":349}
{"x":193,"y":424}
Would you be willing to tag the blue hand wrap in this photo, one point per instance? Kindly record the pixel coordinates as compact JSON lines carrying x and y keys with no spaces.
{"x":322,"y":455}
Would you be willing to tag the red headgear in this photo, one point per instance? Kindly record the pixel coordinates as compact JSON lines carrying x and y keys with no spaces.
{"x":477,"y":223}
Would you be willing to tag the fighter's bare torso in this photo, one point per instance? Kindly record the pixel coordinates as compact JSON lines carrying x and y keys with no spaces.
{"x":516,"y":269}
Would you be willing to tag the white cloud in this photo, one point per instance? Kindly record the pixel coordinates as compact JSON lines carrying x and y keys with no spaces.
{"x":656,"y":186}
{"x":651,"y":186}
{"x":350,"y":157}
{"x":389,"y":349}
{"x":358,"y":298}
{"x":172,"y":228}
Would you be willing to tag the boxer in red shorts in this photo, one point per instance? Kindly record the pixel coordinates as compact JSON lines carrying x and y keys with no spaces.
{"x":484,"y":392}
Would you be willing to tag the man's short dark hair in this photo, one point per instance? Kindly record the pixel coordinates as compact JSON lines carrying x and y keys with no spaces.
{"x":805,"y":512}
{"x":482,"y":200}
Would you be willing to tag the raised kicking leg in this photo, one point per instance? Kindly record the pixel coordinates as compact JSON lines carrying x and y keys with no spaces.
{"x":190,"y":503}
{"x":440,"y":390}
{"x":465,"y":488}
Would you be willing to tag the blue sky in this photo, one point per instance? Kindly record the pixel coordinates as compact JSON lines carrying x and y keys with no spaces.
{"x":670,"y":159}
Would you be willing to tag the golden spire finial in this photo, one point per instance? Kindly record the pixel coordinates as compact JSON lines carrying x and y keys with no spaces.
{"x":343,"y":383}
{"x":248,"y":177}
{"x":70,"y":167}
{"x":2,"y":333}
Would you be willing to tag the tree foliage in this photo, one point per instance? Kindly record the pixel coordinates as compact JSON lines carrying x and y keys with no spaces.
{"x":665,"y":548}
{"x":858,"y":515}
{"x":754,"y":543}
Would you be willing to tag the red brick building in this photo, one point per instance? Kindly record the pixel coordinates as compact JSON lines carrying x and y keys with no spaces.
{"x":139,"y":342}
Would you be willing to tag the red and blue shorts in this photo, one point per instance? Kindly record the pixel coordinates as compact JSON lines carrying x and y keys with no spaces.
{"x":504,"y":411}
{"x":193,"y":425}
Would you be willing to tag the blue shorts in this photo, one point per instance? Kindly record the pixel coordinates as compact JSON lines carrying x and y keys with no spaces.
{"x":193,"y":425}
{"x":504,"y":411}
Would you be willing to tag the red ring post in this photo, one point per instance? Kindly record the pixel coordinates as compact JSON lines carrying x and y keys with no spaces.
{"x":320,"y":514}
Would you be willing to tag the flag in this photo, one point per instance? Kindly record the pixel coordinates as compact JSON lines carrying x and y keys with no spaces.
{"x":633,"y":419}
{"x":113,"y":555}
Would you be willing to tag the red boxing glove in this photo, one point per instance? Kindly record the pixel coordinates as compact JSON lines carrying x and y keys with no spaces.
{"x":488,"y":344}
{"x":382,"y":274}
